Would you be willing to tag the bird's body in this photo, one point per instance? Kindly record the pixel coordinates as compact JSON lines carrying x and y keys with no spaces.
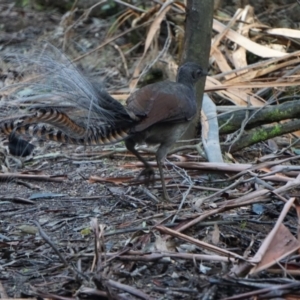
{"x":165,"y":110}
{"x":158,"y":113}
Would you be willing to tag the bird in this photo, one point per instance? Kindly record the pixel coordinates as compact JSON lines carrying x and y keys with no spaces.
{"x":158,"y":113}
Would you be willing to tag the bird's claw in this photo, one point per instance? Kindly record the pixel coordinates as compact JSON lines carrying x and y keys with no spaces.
{"x":148,"y":174}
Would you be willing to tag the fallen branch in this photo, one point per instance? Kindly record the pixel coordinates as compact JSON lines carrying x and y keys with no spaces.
{"x":258,"y":116}
{"x":11,"y":176}
{"x":261,"y":134}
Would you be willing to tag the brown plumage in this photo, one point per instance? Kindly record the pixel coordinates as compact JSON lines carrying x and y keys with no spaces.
{"x":158,"y":113}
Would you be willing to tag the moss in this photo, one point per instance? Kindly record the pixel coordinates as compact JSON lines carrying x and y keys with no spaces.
{"x":276,"y":130}
{"x":259,"y":135}
{"x":263,"y":134}
{"x":278,"y":114}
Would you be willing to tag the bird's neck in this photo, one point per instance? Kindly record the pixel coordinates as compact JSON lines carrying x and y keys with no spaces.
{"x":184,"y":79}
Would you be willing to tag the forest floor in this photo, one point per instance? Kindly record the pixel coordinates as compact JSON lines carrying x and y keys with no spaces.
{"x":76,"y":222}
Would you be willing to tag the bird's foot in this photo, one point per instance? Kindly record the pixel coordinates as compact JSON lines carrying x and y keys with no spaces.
{"x":149,"y":175}
{"x":166,"y":196}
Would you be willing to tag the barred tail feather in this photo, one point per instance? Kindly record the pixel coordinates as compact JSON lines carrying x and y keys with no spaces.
{"x":103,"y":135}
{"x":57,"y":119}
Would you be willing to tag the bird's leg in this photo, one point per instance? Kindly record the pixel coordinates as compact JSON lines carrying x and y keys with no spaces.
{"x":161,"y":154}
{"x":148,"y":171}
{"x":162,"y":178}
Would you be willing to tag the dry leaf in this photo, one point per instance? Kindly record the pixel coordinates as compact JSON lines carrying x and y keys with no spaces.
{"x":282,"y":245}
{"x":215,"y":239}
{"x":155,"y":26}
{"x":249,"y":45}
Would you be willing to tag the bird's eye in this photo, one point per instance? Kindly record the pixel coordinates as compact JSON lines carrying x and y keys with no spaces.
{"x":197,"y":74}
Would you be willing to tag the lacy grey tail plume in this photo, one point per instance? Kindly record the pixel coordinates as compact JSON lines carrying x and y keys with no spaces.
{"x":58,"y":94}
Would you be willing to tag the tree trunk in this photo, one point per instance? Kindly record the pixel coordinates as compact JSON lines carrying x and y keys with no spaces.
{"x":198,"y":27}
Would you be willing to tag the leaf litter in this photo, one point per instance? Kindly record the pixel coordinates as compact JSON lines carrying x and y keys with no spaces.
{"x":94,"y":231}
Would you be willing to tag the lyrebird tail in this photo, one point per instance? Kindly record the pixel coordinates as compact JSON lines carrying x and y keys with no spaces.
{"x":64,"y":105}
{"x":63,"y":129}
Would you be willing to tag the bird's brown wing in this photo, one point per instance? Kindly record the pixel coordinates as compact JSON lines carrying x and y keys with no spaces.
{"x":162,"y":102}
